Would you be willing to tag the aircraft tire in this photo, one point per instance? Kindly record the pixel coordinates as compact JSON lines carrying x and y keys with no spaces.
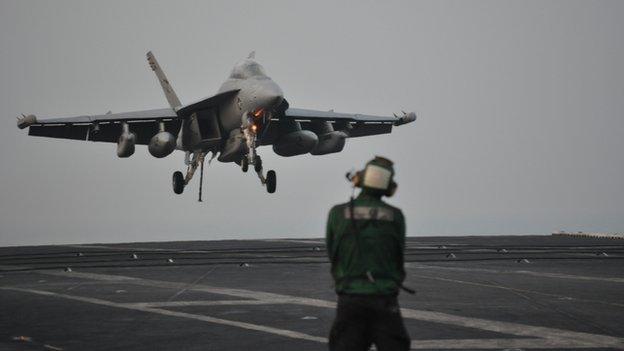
{"x":245,"y":164}
{"x":258,"y":164}
{"x":178,"y":182}
{"x":271,"y":181}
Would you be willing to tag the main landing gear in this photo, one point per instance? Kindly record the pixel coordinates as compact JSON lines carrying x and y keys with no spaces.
{"x":179,"y":181}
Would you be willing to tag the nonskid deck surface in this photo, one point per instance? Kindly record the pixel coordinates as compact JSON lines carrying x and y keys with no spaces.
{"x":473,"y":293}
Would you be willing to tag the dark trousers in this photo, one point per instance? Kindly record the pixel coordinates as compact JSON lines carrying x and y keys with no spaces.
{"x":363,"y":320}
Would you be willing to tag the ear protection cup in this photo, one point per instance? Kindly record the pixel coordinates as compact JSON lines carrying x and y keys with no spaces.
{"x":391,"y":189}
{"x":357,"y":179}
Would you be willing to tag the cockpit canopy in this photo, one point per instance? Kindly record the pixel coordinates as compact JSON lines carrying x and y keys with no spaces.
{"x":248,"y":69}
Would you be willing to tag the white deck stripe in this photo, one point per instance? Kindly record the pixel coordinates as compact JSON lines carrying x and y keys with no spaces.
{"x":241,"y":293}
{"x":250,"y":326}
{"x":416,"y":344}
{"x":555,"y":336}
{"x":204,"y":303}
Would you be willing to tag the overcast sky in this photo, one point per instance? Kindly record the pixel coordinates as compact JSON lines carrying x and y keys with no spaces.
{"x":520,"y":104}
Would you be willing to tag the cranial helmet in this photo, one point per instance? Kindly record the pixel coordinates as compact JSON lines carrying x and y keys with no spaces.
{"x":377,"y":176}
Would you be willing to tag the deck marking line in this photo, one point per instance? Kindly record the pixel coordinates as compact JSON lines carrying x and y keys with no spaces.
{"x":555,"y":335}
{"x":203,"y":303}
{"x":250,"y":326}
{"x":416,"y":344}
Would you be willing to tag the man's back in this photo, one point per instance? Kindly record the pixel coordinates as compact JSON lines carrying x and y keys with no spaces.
{"x":367,"y":253}
{"x":365,"y":242}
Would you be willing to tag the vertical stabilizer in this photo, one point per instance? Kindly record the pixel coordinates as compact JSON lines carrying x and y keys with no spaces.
{"x":171,"y":96}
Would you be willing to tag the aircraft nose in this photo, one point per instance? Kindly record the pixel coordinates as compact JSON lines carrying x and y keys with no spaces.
{"x":271,"y":97}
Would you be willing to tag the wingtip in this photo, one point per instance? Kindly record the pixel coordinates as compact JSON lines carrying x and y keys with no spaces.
{"x":26,"y":121}
{"x":407,"y":117}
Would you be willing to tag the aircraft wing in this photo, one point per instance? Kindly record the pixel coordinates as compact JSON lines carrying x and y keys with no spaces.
{"x":353,"y":124}
{"x":105,"y":128}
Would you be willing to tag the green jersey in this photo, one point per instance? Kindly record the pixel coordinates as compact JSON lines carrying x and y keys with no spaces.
{"x":366,"y":254}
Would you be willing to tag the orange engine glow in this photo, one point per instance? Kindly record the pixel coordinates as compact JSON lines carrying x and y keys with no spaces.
{"x":258,"y":113}
{"x":254,"y":128}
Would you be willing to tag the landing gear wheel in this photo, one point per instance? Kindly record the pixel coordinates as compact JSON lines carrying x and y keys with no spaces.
{"x":178,"y":182}
{"x":258,"y":164}
{"x":245,"y":164}
{"x":271,"y":181}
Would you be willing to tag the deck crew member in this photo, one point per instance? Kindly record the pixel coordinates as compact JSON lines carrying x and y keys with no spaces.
{"x":365,"y":241}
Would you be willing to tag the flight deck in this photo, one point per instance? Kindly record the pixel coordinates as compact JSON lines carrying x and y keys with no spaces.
{"x":473,"y":293}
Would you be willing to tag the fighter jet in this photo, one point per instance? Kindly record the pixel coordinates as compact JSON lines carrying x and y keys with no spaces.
{"x":248,"y":111}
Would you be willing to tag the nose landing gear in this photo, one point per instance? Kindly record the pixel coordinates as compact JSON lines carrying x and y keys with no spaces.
{"x":245,"y":164}
{"x":271,"y":181}
{"x":250,"y":131}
